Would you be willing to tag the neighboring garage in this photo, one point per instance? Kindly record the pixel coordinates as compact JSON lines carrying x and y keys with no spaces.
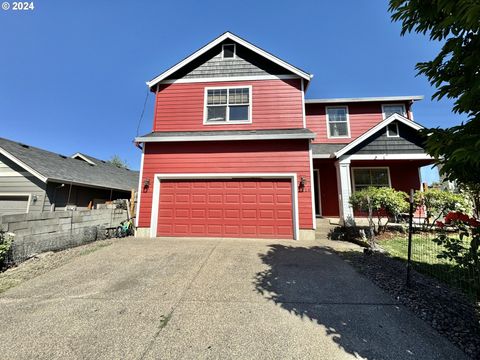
{"x":243,"y":208}
{"x":13,"y":204}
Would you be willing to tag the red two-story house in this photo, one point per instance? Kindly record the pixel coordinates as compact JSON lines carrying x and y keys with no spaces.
{"x":237,"y":151}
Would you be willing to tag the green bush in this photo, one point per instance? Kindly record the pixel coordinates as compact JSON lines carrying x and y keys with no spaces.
{"x":5,"y":245}
{"x":438,"y":203}
{"x":379,"y":202}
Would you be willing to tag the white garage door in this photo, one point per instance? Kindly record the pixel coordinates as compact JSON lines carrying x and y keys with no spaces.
{"x":13,"y":204}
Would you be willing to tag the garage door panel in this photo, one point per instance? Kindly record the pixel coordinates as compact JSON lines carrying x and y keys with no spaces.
{"x":226,"y":208}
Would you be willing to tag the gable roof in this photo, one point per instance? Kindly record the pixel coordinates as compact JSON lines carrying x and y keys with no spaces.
{"x":50,"y":166}
{"x":375,"y":129}
{"x":238,"y":40}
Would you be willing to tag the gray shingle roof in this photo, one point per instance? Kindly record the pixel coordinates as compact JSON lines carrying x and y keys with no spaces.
{"x":323,"y":149}
{"x":56,"y":167}
{"x":226,"y":134}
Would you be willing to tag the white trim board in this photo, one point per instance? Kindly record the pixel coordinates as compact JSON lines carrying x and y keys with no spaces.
{"x":237,"y":40}
{"x":23,"y":165}
{"x":83,"y":157}
{"x":377,"y":128}
{"x":182,"y":176}
{"x":140,"y":192}
{"x":180,"y":138}
{"x":312,"y":187}
{"x":387,"y":157}
{"x":231,"y":78}
{"x":365,"y":99}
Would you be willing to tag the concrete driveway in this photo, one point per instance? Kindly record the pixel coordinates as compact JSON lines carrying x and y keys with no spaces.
{"x":210,"y":299}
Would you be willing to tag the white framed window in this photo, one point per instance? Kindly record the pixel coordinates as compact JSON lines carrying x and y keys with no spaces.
{"x":363,"y":177}
{"x":228,"y":105}
{"x":338,"y":124}
{"x":390,"y":109}
{"x":392,"y":130}
{"x":229,"y":51}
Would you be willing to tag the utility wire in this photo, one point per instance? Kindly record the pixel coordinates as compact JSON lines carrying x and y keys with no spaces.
{"x":143,"y":111}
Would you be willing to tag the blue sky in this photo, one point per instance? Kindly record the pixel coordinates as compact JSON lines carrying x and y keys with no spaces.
{"x":72,"y":73}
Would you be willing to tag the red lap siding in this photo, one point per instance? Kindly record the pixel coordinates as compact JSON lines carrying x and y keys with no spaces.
{"x":228,"y":157}
{"x":276,"y":104}
{"x":362,"y":117}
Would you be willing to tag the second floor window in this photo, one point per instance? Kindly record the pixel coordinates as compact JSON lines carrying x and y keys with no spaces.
{"x":337,"y":122}
{"x":389,"y":110}
{"x":228,"y":105}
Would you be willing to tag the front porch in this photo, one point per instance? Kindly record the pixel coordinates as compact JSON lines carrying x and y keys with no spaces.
{"x":373,"y":159}
{"x":336,"y":179}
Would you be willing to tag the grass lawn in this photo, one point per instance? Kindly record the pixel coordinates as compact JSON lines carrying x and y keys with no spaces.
{"x":425,"y":260}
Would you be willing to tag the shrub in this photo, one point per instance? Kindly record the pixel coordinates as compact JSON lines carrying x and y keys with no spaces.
{"x":466,"y":257}
{"x":438,"y":203}
{"x":379,"y":202}
{"x":5,"y":245}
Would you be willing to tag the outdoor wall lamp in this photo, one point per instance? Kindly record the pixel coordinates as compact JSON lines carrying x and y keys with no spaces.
{"x":303,"y":182}
{"x":146,"y":184}
{"x":34,"y":198}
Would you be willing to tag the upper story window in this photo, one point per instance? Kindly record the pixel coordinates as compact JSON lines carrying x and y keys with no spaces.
{"x":389,"y":110}
{"x":228,"y":105}
{"x":228,"y":51}
{"x":365,"y":177}
{"x":337,"y":122}
{"x":392,"y":130}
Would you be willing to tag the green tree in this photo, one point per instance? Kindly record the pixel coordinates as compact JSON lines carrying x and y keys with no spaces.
{"x":455,"y":72}
{"x":118,"y":162}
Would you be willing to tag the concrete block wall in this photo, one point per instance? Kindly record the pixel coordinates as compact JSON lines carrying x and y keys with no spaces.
{"x":50,"y":231}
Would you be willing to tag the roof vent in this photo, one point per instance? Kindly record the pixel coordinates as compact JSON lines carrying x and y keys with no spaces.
{"x":25,"y":146}
{"x":62,"y":156}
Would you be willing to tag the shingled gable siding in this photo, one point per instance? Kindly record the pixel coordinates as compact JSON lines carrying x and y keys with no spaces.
{"x":14,"y":180}
{"x":245,"y":63}
{"x":409,"y":142}
{"x":276,"y":104}
{"x":290,"y":156}
{"x":362,"y":117}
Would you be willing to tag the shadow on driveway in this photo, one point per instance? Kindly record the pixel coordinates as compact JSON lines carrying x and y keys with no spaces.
{"x":315,"y":284}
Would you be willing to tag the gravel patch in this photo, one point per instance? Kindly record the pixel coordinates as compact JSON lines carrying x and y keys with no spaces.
{"x":42,"y":263}
{"x":445,"y":309}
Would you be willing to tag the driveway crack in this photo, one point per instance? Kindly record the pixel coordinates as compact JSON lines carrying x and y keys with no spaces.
{"x":166,"y":318}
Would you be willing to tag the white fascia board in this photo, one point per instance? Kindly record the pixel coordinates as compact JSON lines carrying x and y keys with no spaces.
{"x":388,"y":157}
{"x":221,"y":138}
{"x":365,"y":99}
{"x":376,"y":128}
{"x":238,"y":40}
{"x":230,"y":78}
{"x":322,"y":156}
{"x":83,"y":157}
{"x":23,"y":165}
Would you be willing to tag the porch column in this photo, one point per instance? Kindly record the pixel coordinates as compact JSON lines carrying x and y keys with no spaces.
{"x":344,"y":191}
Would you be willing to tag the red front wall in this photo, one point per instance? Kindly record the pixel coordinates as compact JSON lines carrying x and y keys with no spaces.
{"x":276,"y":104}
{"x":228,"y":157}
{"x":362,"y":117}
{"x":404,"y":175}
